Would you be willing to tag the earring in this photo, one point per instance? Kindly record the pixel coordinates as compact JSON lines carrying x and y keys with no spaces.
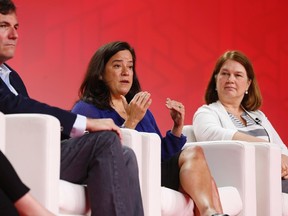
{"x":246,"y":92}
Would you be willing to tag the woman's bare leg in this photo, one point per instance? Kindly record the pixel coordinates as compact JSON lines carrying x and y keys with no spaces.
{"x":196,"y":181}
{"x":216,"y":197}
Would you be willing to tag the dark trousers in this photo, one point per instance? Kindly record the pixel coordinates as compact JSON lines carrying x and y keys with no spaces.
{"x":284,"y":185}
{"x":109,"y":170}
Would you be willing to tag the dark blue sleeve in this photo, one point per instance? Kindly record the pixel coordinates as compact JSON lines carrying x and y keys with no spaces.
{"x":86,"y":109}
{"x":22,"y":103}
{"x":91,"y":111}
{"x":170,"y":144}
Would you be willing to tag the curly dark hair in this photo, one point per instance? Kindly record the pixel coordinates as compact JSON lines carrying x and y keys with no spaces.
{"x":251,"y":101}
{"x":93,"y":89}
{"x":7,"y":7}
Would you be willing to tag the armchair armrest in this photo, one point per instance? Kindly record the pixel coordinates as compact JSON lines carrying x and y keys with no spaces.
{"x":268,"y":179}
{"x":232,"y":163}
{"x":33,"y":147}
{"x":147,"y":147}
{"x":2,"y":132}
{"x":151,"y":166}
{"x":132,"y":139}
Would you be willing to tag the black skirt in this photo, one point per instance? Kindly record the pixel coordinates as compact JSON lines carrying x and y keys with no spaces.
{"x":170,"y":172}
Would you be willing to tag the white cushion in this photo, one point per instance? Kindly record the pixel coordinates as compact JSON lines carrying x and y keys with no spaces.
{"x":72,"y":198}
{"x":230,"y":200}
{"x":175,"y":203}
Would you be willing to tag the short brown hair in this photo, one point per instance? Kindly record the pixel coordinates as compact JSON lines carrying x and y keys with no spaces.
{"x":7,"y":6}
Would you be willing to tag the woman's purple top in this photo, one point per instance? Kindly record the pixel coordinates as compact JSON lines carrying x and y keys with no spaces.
{"x":170,"y":144}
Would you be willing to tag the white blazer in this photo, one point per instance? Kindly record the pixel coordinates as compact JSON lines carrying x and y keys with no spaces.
{"x":212,"y":122}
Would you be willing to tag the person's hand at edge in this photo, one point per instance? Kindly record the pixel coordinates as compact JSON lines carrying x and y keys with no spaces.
{"x":284,"y":166}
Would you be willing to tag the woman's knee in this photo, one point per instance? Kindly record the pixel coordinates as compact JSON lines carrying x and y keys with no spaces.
{"x":191,"y":153}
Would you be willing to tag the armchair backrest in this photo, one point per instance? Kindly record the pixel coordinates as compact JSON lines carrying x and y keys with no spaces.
{"x":32,"y":139}
{"x":189,"y":133}
{"x":2,"y":132}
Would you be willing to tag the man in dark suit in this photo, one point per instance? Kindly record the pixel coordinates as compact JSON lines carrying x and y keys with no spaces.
{"x":97,"y":158}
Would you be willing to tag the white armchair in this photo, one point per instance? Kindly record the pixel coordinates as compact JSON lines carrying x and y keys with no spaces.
{"x":33,"y":147}
{"x":231,"y":164}
{"x":166,"y":202}
{"x":269,"y":199}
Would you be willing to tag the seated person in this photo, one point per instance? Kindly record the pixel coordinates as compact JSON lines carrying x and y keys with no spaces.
{"x":80,"y":151}
{"x":111,"y":89}
{"x":232,"y":112}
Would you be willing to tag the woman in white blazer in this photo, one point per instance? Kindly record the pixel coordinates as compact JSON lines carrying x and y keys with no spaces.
{"x":233,"y":100}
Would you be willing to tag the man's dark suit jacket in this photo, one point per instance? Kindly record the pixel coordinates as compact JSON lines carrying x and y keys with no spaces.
{"x":22,"y":103}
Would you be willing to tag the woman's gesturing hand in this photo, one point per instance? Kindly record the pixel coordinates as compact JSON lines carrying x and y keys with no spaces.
{"x":177,"y":113}
{"x":137,"y":108}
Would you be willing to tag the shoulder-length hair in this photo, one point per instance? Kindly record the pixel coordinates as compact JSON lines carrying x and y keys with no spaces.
{"x":251,"y":101}
{"x":93,"y":89}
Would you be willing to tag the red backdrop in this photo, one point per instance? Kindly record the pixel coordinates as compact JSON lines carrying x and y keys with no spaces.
{"x":176,"y":42}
